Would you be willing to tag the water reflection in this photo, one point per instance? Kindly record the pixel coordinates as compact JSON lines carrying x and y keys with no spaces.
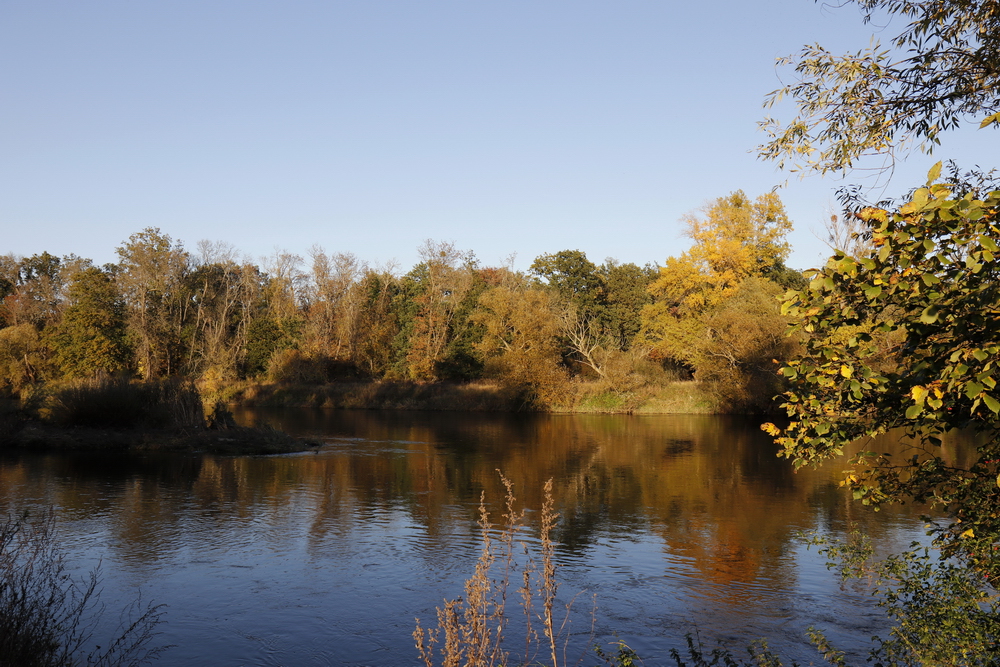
{"x":671,"y":520}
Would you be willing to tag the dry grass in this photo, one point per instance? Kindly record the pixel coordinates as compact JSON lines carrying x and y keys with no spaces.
{"x":47,"y":618}
{"x":471,"y":630}
{"x":117,"y":402}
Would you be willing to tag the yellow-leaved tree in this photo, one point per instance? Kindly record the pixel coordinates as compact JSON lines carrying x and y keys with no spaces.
{"x":739,"y":250}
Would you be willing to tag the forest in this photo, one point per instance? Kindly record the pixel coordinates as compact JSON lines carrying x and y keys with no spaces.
{"x":565,"y":333}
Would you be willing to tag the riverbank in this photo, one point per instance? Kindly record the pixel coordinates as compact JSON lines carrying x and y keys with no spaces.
{"x":682,"y":397}
{"x":118,"y":414}
{"x":236,"y":440}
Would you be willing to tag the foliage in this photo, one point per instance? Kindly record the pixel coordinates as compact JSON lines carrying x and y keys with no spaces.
{"x":34,"y":286}
{"x":432,"y":309}
{"x":625,"y":292}
{"x":90,"y":339}
{"x":47,"y":618}
{"x":944,"y":613}
{"x":24,"y":358}
{"x":149,"y":274}
{"x":268,"y":337}
{"x":931,"y":284}
{"x":735,"y":239}
{"x":574,"y":278}
{"x":739,"y":344}
{"x":116,"y":402}
{"x":941,"y":70}
{"x":520,"y":345}
{"x":710,"y":310}
{"x":599,"y":309}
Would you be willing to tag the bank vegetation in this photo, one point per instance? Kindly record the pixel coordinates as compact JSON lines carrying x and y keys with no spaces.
{"x":701,"y":333}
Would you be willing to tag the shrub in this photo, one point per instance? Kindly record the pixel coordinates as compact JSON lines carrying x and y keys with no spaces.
{"x":120,"y":403}
{"x":47,"y":618}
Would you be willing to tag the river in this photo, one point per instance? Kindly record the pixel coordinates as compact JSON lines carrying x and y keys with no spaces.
{"x":668,"y":524}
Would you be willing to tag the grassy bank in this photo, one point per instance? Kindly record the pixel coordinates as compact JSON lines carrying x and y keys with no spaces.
{"x":480,"y":396}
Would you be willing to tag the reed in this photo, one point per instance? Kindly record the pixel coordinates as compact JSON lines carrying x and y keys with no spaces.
{"x":471,"y":630}
{"x":117,"y":402}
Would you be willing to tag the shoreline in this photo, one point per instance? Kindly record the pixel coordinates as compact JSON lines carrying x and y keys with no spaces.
{"x":237,"y":440}
{"x":680,"y":397}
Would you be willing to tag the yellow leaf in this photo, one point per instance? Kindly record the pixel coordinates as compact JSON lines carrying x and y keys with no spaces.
{"x":967,"y":534}
{"x":919,"y":394}
{"x":846,"y":371}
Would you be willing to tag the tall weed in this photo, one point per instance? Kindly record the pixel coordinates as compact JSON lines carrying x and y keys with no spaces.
{"x":471,"y":630}
{"x":47,"y":618}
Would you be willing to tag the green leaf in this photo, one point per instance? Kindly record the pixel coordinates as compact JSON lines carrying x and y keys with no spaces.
{"x":873,"y":291}
{"x":913,"y":411}
{"x":973,"y":389}
{"x":991,"y":403}
{"x":935,"y":172}
{"x":929,"y":315}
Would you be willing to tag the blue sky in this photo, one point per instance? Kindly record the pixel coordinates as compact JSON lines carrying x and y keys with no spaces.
{"x":368,"y":126}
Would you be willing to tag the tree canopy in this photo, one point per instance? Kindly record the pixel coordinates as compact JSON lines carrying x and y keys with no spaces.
{"x":943,"y":69}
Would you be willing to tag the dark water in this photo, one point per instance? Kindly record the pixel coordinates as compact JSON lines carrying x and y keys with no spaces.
{"x":673,"y":523}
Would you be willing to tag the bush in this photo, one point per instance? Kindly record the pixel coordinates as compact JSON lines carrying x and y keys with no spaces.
{"x":47,"y":618}
{"x":121,"y":403}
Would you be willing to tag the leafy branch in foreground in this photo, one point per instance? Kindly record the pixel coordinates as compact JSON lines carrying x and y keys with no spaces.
{"x":941,"y":70}
{"x":47,"y":619}
{"x":908,"y":337}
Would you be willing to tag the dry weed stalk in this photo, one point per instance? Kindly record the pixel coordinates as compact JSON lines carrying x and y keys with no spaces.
{"x":473,"y":628}
{"x":47,"y":618}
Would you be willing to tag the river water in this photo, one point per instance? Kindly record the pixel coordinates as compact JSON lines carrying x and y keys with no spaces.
{"x":668,"y":524}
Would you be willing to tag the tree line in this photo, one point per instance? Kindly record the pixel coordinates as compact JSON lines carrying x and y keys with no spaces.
{"x":164,"y":311}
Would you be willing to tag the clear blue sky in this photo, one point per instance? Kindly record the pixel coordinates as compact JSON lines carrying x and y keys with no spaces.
{"x":505,"y":127}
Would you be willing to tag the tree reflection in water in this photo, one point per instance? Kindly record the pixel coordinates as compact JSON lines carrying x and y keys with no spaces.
{"x":670,"y":520}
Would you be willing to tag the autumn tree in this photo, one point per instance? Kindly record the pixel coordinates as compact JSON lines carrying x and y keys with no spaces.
{"x":930,"y":283}
{"x":943,"y":69}
{"x":223,"y":297}
{"x":378,"y":323}
{"x":34,"y":290}
{"x":25,"y":358}
{"x":438,"y":288}
{"x":599,"y":311}
{"x":520,"y":345}
{"x":735,"y":240}
{"x":333,"y":304}
{"x":275,"y":334}
{"x":149,"y":274}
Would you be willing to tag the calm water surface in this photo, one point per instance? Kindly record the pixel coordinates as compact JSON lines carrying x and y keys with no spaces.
{"x":673,"y":523}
